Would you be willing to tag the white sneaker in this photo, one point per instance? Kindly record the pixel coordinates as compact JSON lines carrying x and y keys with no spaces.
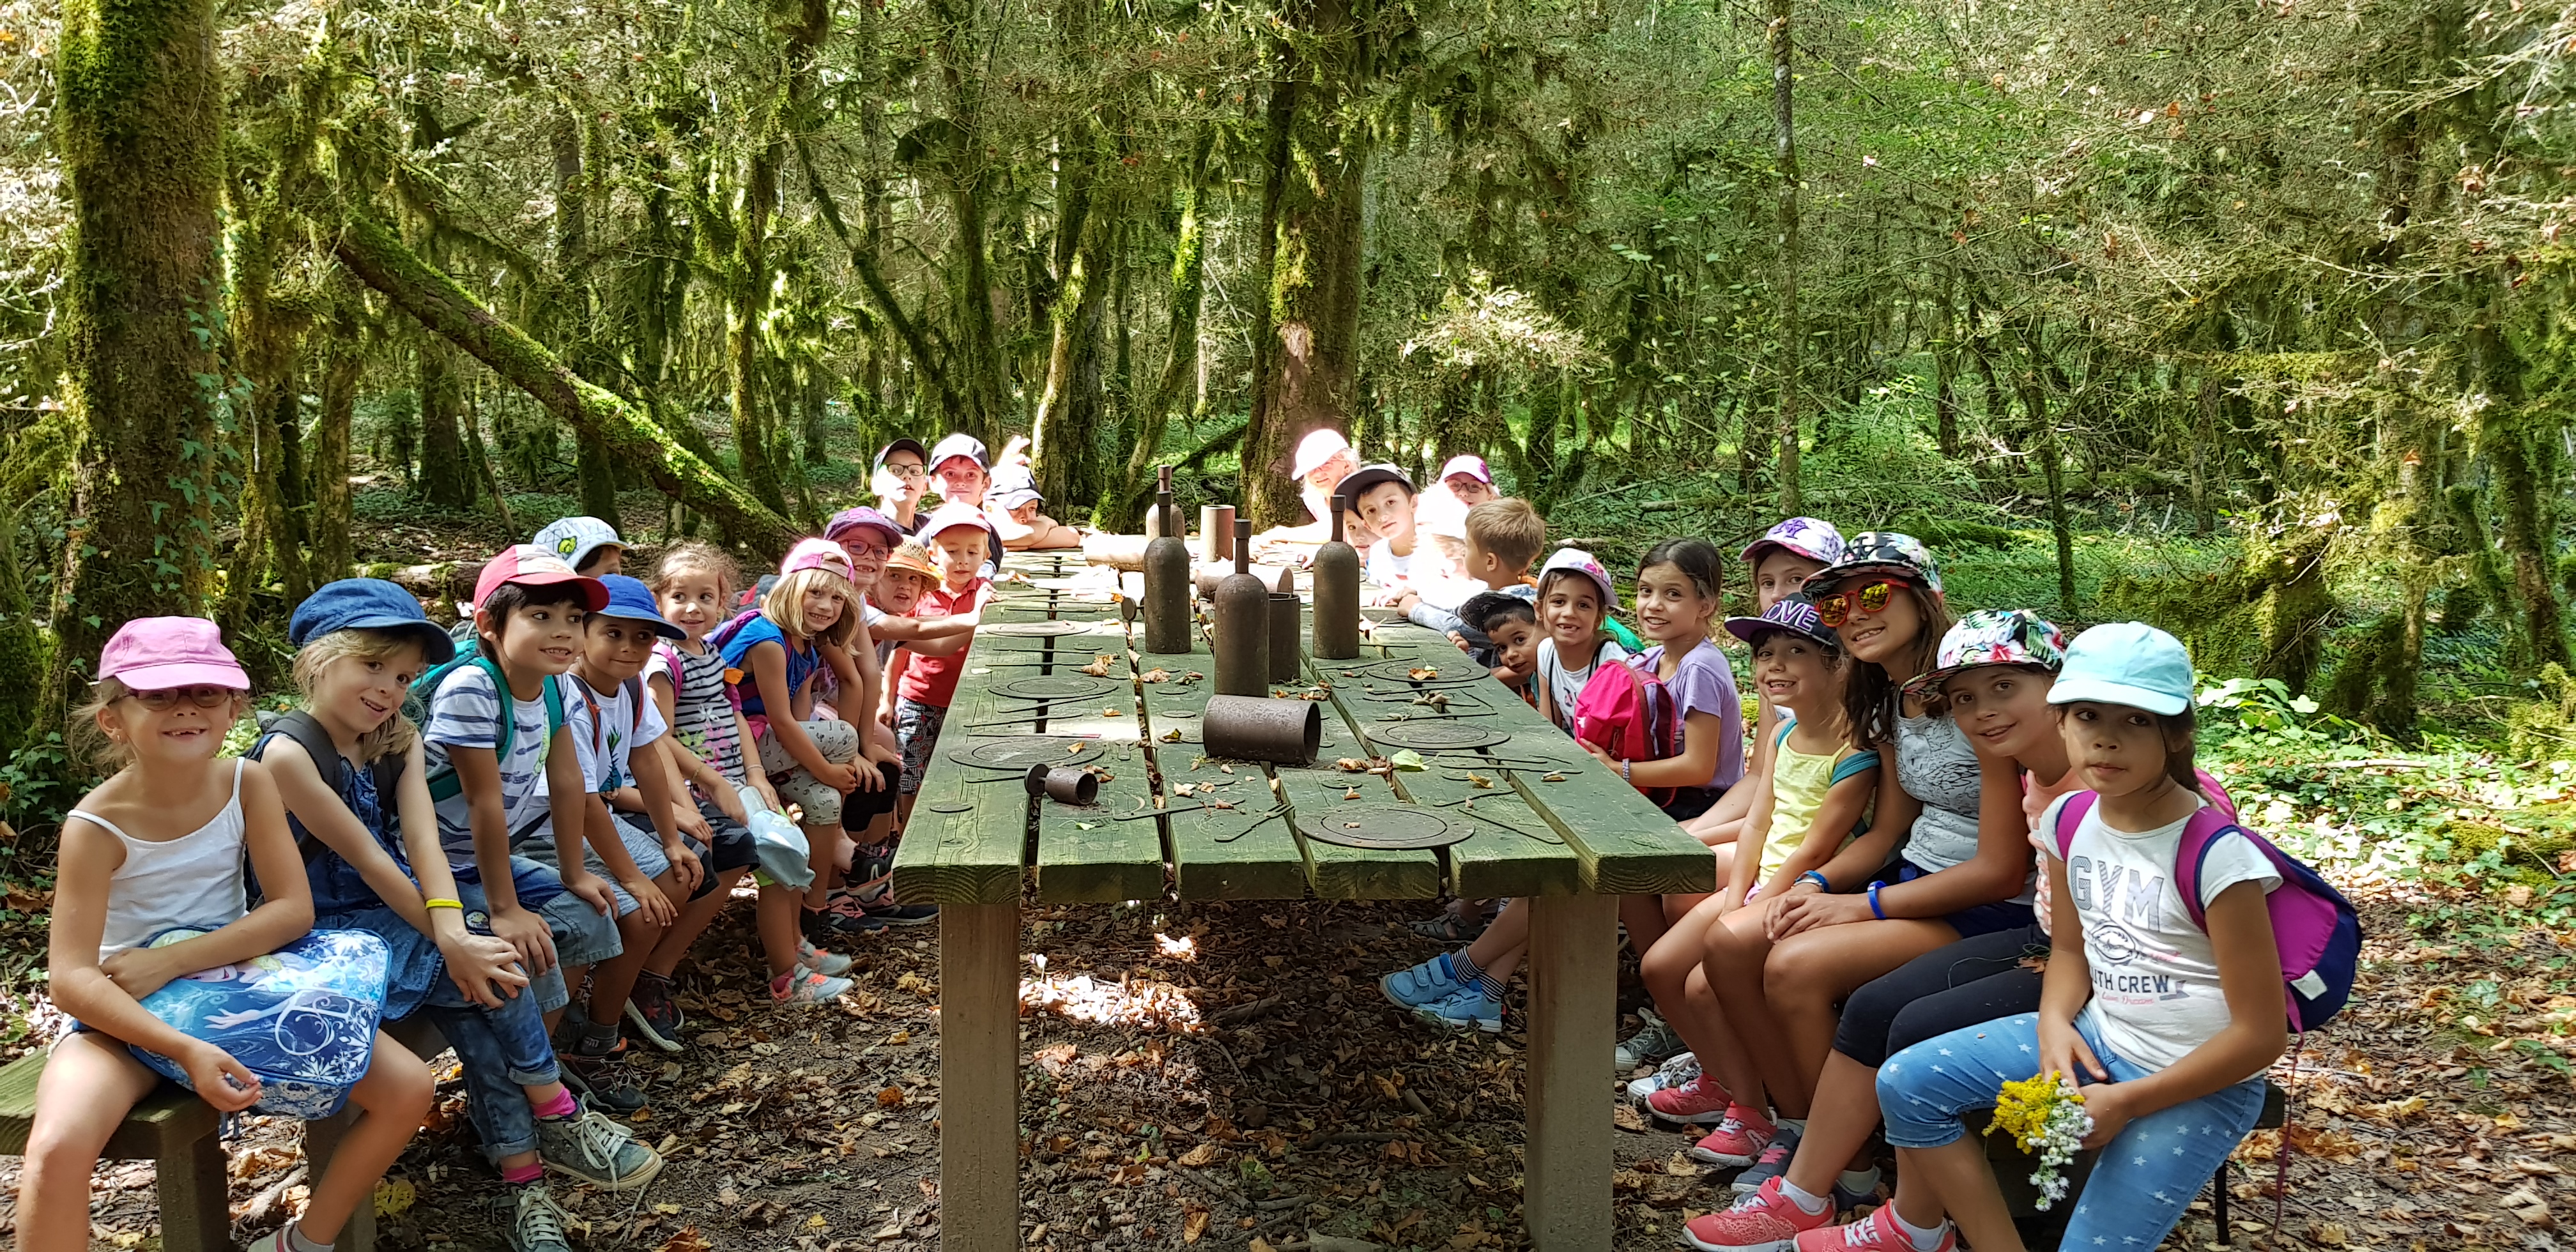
{"x":1672,"y":1073}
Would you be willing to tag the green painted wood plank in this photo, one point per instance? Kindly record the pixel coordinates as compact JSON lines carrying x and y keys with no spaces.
{"x":1341,"y":873}
{"x":1217,"y":854}
{"x":1087,"y":854}
{"x":969,"y":827}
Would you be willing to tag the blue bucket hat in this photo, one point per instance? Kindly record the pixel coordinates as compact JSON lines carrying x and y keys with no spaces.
{"x":628,"y":597}
{"x":2128,"y":663}
{"x":367,"y":604}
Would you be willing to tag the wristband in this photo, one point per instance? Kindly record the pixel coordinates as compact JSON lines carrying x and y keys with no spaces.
{"x":1624,"y":775}
{"x":1817,"y":878}
{"x":1874,"y":910}
{"x":458,"y":905}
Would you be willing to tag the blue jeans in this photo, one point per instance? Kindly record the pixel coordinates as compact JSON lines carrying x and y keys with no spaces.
{"x":2144,"y":1177}
{"x":500,"y":1051}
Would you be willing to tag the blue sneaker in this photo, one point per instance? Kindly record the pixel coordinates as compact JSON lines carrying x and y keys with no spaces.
{"x":1428,"y":983}
{"x":1465,"y":1007}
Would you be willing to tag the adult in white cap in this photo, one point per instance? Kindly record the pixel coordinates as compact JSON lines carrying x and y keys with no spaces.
{"x":1324,"y":458}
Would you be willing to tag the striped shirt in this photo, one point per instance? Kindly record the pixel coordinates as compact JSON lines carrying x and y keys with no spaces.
{"x":701,"y":716}
{"x":465,"y":712}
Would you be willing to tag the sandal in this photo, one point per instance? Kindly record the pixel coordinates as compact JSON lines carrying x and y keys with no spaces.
{"x":1451,"y":928}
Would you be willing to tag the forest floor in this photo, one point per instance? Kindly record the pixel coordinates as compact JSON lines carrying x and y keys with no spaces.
{"x":1148,"y":1125}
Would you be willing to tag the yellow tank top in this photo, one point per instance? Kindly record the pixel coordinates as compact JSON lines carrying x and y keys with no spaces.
{"x":1799,"y":782}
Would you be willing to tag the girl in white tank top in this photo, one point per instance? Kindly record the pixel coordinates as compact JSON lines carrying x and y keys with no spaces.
{"x":159,"y":846}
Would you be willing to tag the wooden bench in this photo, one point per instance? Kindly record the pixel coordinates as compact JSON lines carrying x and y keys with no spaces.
{"x":176,"y":1131}
{"x":977,"y":843}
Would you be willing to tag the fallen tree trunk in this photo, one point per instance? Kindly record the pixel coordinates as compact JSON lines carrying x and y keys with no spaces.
{"x":379,"y":258}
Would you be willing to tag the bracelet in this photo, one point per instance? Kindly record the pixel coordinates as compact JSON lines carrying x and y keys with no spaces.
{"x":458,"y":905}
{"x":1817,"y":877}
{"x":1624,"y":775}
{"x":1874,"y":910}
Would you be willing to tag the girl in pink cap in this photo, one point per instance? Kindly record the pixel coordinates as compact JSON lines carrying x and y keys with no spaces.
{"x":159,"y":846}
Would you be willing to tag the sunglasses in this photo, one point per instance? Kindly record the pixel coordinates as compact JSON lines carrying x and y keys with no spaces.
{"x":168,"y":698}
{"x":1837,"y":608}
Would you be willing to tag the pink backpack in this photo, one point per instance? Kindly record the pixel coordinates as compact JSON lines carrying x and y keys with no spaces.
{"x":1629,"y":714}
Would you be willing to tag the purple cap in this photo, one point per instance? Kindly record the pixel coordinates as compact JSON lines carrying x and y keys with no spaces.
{"x":1794,"y":613}
{"x":160,"y":653}
{"x":864,"y":518}
{"x":1815,"y":540}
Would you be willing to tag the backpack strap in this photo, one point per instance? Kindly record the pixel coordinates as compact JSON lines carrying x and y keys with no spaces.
{"x":2206,"y":827}
{"x":308,"y":734}
{"x":2070,"y":814}
{"x":635,"y":700}
{"x":1853,"y":766}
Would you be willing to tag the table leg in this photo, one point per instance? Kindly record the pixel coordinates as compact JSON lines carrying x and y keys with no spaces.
{"x":979,"y":1077}
{"x":1574,"y":993}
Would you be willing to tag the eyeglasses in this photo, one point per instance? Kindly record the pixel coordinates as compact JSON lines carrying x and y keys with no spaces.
{"x":1836,"y":609}
{"x":204,"y":697}
{"x":908,"y":471}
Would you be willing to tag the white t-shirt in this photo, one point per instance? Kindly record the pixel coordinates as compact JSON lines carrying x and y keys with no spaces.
{"x":465,"y":712}
{"x":1386,"y":569}
{"x":1565,"y":686}
{"x":607,"y":728}
{"x":2155,"y":975}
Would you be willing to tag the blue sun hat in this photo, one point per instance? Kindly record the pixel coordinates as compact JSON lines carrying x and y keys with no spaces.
{"x":1794,"y":613}
{"x":1994,"y":637}
{"x":1883,"y":552}
{"x":2128,"y":663}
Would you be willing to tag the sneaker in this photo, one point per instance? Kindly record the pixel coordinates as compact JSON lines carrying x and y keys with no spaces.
{"x":1878,"y":1230}
{"x":650,"y":1009}
{"x":806,"y":986}
{"x":1428,"y":983}
{"x":536,"y":1224}
{"x":876,"y":895}
{"x":1465,"y":1007}
{"x":1699,"y":1102}
{"x":590,"y":1147}
{"x":273,"y":1241}
{"x":828,"y":964}
{"x":598,"y":1078}
{"x":1738,"y":1140}
{"x":1672,"y":1073}
{"x":845,"y":916}
{"x":1653,"y":1044}
{"x":1765,"y":1221}
{"x":1773,"y":1163}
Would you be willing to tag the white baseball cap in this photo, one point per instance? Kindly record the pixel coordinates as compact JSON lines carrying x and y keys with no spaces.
{"x":1317,"y":447}
{"x":1471,"y":465}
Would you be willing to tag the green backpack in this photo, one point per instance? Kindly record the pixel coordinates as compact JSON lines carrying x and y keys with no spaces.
{"x":443,"y":782}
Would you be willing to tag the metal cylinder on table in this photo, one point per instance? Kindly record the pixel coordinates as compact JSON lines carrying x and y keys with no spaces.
{"x":1167,"y":588}
{"x":1258,"y":728}
{"x":1242,"y":624}
{"x":1064,"y":784}
{"x":1337,"y":594}
{"x":1284,"y":667}
{"x":1216,"y":530}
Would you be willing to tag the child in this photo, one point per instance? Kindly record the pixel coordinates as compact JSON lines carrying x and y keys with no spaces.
{"x":856,"y":545}
{"x":617,"y":732}
{"x":909,"y":575}
{"x":1509,"y":628}
{"x":1780,"y":561}
{"x":900,"y":479}
{"x":771,"y":660}
{"x":590,"y":546}
{"x":159,"y":846}
{"x":373,"y":862}
{"x":929,"y":669}
{"x":1574,"y":595}
{"x":1803,"y":812}
{"x":1012,"y":508}
{"x":1500,"y":539}
{"x":494,"y":804}
{"x":687,"y":677}
{"x":1381,"y":496}
{"x":1466,"y":480}
{"x":2170,"y":1021}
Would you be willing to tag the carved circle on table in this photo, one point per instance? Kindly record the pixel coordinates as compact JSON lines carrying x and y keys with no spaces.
{"x":1053,"y":687}
{"x":1381,"y":826}
{"x":1458,"y":673}
{"x":1033,"y":629}
{"x":1437,"y":736}
{"x":1019,"y":752}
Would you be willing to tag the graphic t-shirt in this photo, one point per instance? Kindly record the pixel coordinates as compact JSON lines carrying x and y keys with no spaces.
{"x":932,"y":680}
{"x":607,"y":728}
{"x":466,"y":712}
{"x":701,"y":715}
{"x":2155,"y":974}
{"x":1704,"y":683}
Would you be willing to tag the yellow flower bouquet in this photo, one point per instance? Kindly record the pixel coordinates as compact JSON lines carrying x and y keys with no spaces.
{"x":2045,"y":1115}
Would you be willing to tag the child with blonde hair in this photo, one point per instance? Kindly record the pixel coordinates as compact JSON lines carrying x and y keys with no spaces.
{"x":159,"y":847}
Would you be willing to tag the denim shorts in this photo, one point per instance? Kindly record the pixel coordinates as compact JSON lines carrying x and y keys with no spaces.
{"x":733,"y":847}
{"x":582,"y":937}
{"x":917,"y":726}
{"x":642,"y":845}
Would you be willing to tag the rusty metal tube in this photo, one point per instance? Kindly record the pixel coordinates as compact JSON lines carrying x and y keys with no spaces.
{"x":1284,"y":667}
{"x":1216,"y":531}
{"x":1064,"y":784}
{"x":1246,"y":728}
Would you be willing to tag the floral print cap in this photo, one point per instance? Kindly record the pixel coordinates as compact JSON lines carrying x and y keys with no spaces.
{"x":1882,"y":552}
{"x":1995,"y":637}
{"x":1808,"y":537}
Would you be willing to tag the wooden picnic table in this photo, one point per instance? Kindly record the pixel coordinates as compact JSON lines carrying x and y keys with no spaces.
{"x":1550,"y":824}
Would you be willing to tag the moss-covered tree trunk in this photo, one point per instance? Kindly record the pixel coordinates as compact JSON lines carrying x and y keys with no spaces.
{"x":139,"y":103}
{"x":379,"y":259}
{"x":344,"y":362}
{"x":595,"y":468}
{"x":1306,"y":328}
{"x":1793,"y":328}
{"x":1124,"y":510}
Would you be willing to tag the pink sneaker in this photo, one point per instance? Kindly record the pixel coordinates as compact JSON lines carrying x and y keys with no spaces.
{"x":1878,"y":1230}
{"x":1738,"y":1139}
{"x":1697,"y":1102}
{"x":1765,"y":1221}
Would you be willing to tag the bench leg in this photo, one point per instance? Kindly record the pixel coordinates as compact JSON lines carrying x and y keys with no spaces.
{"x":2218,"y":1204}
{"x":1574,"y":990}
{"x":321,"y":1140}
{"x":195,"y":1215}
{"x":979,"y":1077}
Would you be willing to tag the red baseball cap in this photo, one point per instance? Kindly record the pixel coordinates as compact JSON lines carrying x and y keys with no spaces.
{"x":532,"y":566}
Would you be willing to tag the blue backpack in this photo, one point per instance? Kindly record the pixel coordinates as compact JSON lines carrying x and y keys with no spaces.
{"x":443,"y":782}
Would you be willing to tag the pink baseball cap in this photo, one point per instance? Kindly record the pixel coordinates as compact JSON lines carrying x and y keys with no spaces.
{"x":160,"y":653}
{"x":821,"y":554}
{"x":1471,"y":465}
{"x":531,"y":566}
{"x":950,"y":517}
{"x":1316,"y":448}
{"x":1578,"y":561}
{"x":864,"y":518}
